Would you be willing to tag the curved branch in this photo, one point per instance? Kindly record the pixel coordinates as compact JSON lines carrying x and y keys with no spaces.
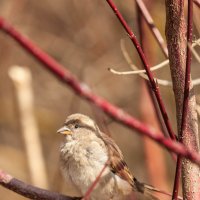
{"x":30,"y":191}
{"x":84,"y":91}
{"x":159,"y":81}
{"x":142,"y":73}
{"x":197,"y":3}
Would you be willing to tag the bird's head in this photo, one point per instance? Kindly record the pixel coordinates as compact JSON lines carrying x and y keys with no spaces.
{"x":78,"y":124}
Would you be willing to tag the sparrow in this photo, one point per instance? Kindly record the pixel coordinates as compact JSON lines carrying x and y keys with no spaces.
{"x":85,"y":152}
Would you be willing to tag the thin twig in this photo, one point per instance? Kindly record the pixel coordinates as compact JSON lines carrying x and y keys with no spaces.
{"x":152,"y":27}
{"x":194,"y":52}
{"x":197,"y":3}
{"x":133,"y":67}
{"x":136,"y":70}
{"x":151,"y":114}
{"x":196,"y":43}
{"x":91,"y":188}
{"x":177,"y":178}
{"x":152,"y":81}
{"x":142,"y":71}
{"x":159,"y":81}
{"x":198,"y":109}
{"x":162,"y":82}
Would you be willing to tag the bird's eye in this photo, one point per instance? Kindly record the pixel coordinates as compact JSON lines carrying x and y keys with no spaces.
{"x":76,"y":126}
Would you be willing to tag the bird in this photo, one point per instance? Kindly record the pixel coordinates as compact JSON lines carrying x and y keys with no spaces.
{"x":84,"y":152}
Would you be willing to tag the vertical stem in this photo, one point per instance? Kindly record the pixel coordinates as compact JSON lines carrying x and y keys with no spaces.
{"x":149,"y":21}
{"x":151,"y":114}
{"x":184,"y":96}
{"x":177,"y":178}
{"x":153,"y":83}
{"x":189,"y":129}
{"x":176,"y":41}
{"x":22,"y":80}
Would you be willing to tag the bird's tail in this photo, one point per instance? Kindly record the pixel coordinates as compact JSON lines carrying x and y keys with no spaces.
{"x":147,"y":190}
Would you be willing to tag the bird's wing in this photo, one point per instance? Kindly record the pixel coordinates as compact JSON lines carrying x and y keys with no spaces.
{"x":117,"y":163}
{"x":120,"y":168}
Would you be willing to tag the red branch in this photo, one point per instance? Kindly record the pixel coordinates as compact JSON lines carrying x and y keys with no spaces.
{"x":153,"y":83}
{"x":30,"y":191}
{"x":83,"y":91}
{"x":197,"y":3}
{"x":91,"y":188}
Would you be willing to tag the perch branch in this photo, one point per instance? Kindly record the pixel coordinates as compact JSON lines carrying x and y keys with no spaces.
{"x":30,"y":191}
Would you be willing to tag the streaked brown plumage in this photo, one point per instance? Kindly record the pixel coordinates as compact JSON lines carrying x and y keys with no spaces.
{"x":84,"y":153}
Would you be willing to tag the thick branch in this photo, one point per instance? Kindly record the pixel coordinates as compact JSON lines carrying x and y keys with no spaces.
{"x":189,"y":125}
{"x":184,"y":95}
{"x":30,"y":191}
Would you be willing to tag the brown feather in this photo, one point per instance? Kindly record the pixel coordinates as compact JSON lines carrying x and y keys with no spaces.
{"x":119,"y":167}
{"x":117,"y":164}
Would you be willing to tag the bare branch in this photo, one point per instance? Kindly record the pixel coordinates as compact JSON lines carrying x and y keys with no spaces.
{"x":91,"y":188}
{"x":180,"y":56}
{"x":189,"y":127}
{"x":196,"y":43}
{"x":160,"y":81}
{"x":197,"y":3}
{"x":30,"y":191}
{"x":194,"y":52}
{"x":83,"y":90}
{"x":142,"y":72}
{"x":22,"y":81}
{"x":152,"y":26}
{"x":198,"y":110}
{"x":152,"y":81}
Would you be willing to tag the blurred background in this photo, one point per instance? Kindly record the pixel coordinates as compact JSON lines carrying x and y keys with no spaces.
{"x":85,"y":37}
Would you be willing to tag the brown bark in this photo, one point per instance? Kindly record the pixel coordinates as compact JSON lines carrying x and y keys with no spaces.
{"x":177,"y":45}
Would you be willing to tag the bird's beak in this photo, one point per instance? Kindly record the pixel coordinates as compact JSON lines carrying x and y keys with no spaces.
{"x":64,"y":130}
